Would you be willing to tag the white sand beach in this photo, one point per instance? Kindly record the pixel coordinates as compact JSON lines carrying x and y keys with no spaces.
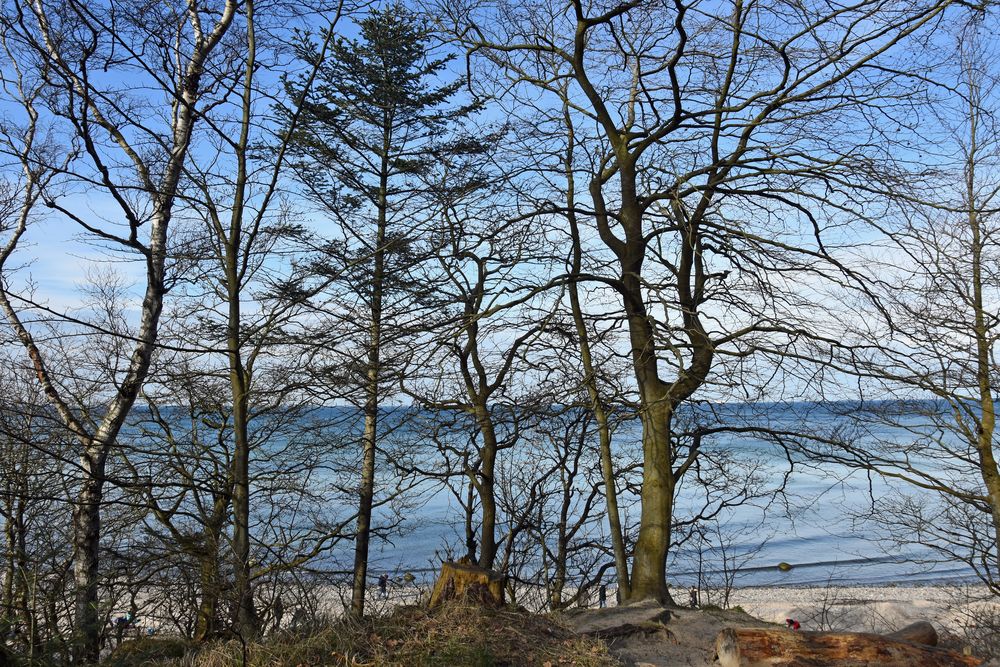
{"x":953,"y":608}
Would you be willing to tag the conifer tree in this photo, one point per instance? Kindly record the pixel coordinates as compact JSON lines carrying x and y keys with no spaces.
{"x":377,"y":117}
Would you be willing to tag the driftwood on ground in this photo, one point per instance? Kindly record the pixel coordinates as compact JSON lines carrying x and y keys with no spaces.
{"x":778,"y":647}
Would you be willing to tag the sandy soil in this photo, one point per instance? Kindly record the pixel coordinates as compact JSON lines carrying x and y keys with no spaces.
{"x":685,"y":637}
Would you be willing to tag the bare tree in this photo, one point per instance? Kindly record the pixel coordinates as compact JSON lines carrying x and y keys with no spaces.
{"x":138,"y":165}
{"x":550,"y":490}
{"x":932,"y":348}
{"x":34,"y":508}
{"x":242,"y":266}
{"x":494,"y":271}
{"x":713,"y":141}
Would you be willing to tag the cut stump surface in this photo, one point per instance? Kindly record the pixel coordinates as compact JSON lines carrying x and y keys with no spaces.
{"x":464,"y":580}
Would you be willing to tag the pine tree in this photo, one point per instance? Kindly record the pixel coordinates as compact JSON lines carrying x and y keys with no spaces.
{"x":376,"y":122}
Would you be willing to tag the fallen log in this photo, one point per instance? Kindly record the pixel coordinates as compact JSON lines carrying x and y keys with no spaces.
{"x":465,"y":580}
{"x":776,"y":647}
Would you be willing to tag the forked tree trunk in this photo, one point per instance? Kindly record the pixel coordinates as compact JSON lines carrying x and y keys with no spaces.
{"x":659,"y":399}
{"x":656,"y":410}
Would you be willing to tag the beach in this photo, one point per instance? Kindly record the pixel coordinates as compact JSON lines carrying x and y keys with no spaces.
{"x":963,"y":619}
{"x":955,"y":608}
{"x":950,"y":607}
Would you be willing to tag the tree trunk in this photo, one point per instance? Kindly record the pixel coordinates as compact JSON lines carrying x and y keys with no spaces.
{"x":245,"y":613}
{"x":245,"y":621}
{"x":611,"y":501}
{"x":658,"y":399}
{"x":205,"y":624}
{"x":590,"y":375}
{"x":777,"y":647}
{"x":649,"y":569}
{"x":86,"y":554}
{"x":470,"y":531}
{"x":366,"y":492}
{"x":984,"y":337}
{"x":648,"y":580}
{"x":487,"y":487}
{"x":22,"y":588}
{"x":10,"y":570}
{"x":559,"y":576}
{"x":365,"y":502}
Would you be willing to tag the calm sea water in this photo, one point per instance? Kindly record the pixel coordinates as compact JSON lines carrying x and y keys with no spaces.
{"x":817,"y":525}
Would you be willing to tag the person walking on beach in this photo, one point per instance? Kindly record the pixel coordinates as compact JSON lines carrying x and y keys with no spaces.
{"x":602,"y":596}
{"x":383,"y":586}
{"x":122,"y":624}
{"x":279,"y":612}
{"x":693,"y":594}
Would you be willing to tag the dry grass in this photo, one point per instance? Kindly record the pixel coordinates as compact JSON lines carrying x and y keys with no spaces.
{"x":460,"y":633}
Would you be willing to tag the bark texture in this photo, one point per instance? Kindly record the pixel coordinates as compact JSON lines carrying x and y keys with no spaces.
{"x":777,"y":647}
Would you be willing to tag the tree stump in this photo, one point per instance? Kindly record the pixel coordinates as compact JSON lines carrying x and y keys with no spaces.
{"x":465,"y":580}
{"x":773,"y":647}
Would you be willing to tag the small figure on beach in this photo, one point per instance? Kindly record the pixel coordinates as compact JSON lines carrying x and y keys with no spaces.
{"x":693,"y":595}
{"x":279,"y":612}
{"x":383,"y":586}
{"x":471,"y":546}
{"x":602,"y":596}
{"x":122,"y":624}
{"x":792,"y":624}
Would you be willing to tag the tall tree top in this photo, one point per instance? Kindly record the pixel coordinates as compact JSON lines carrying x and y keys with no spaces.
{"x":378,"y":94}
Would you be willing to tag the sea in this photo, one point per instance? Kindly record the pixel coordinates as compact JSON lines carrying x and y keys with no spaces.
{"x":826,"y":525}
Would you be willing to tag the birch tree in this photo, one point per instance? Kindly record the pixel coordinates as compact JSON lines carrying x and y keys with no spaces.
{"x":132,"y":150}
